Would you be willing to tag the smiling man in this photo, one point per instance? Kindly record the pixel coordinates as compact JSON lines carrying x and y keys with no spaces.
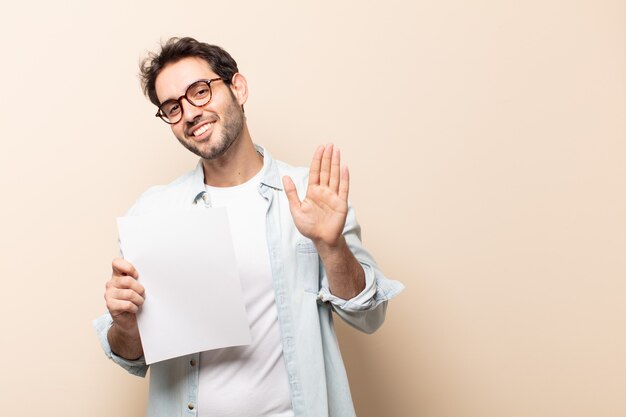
{"x":298,"y":248}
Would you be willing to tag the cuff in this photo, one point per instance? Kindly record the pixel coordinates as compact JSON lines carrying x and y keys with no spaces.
{"x":102,"y":325}
{"x":378,"y":289}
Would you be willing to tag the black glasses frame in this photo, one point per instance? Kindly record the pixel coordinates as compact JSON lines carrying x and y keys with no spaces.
{"x":160,"y":114}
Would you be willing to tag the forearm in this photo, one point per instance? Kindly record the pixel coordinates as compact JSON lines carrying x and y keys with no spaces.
{"x":346,"y":277}
{"x":126,"y":344}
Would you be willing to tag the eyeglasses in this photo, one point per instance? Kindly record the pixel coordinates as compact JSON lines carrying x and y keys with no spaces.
{"x":198,"y":94}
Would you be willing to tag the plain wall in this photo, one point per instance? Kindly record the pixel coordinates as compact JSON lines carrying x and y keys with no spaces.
{"x":486,"y":142}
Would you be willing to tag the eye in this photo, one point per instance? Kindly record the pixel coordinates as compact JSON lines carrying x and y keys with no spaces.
{"x":171,"y":109}
{"x":200,"y":91}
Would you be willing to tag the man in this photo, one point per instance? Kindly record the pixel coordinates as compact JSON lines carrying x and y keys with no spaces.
{"x":297,"y":244}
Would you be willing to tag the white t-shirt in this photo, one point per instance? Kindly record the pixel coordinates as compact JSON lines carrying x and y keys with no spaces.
{"x":247,"y":381}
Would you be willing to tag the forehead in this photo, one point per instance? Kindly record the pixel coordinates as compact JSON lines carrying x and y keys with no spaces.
{"x":174,"y":78}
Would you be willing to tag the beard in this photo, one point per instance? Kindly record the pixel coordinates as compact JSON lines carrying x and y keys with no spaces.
{"x":231,"y":127}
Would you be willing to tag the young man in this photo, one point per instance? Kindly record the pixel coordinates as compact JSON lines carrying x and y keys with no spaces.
{"x":297,"y":244}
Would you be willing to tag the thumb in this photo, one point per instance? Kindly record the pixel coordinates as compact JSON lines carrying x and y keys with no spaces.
{"x":290,"y":191}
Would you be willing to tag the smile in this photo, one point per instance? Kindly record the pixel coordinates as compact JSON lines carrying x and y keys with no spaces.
{"x":202,"y":129}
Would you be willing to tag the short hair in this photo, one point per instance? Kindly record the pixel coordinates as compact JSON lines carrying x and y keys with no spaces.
{"x":176,"y":49}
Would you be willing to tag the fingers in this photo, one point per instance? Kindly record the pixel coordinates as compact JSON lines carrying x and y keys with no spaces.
{"x":125,"y":276}
{"x":333,"y":182}
{"x":291,"y":192}
{"x":123,"y":294}
{"x":325,"y":165}
{"x":125,"y":282}
{"x":316,"y":164}
{"x":344,"y":186}
{"x":326,"y":171}
{"x":122,"y":267}
{"x":120,"y":301}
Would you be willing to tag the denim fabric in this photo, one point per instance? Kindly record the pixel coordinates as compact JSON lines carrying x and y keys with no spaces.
{"x":317,"y":377}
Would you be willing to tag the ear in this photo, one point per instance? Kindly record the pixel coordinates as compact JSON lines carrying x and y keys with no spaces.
{"x":239,"y":87}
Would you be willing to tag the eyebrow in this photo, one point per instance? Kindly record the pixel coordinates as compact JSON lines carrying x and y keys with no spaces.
{"x":187,"y":88}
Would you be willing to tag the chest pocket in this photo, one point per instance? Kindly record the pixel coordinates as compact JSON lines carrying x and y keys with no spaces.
{"x":308,"y":267}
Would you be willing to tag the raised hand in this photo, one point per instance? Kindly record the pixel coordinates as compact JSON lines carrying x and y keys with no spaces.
{"x":321,"y":216}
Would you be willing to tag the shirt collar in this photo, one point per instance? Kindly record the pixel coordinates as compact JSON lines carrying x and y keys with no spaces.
{"x":269,"y":177}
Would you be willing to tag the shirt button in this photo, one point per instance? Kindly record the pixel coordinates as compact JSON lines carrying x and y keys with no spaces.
{"x":192,"y":362}
{"x":190,"y":406}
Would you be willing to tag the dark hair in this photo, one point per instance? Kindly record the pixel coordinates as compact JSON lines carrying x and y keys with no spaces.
{"x":176,"y":49}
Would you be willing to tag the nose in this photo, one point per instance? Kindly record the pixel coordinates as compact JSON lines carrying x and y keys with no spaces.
{"x":190,"y":112}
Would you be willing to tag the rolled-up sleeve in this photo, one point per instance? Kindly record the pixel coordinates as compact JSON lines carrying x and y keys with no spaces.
{"x":366,"y":311}
{"x":102,"y":325}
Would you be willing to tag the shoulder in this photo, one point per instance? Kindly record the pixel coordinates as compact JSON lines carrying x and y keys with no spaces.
{"x":299,"y":175}
{"x":296,"y":173}
{"x":164,"y":196}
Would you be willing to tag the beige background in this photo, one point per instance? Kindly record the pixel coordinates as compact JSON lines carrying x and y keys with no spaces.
{"x":486,"y":141}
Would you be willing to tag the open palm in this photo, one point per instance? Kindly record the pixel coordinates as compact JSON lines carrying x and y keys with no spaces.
{"x":321,"y":216}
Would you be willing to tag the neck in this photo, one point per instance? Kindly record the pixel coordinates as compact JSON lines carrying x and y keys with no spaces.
{"x":239,"y":163}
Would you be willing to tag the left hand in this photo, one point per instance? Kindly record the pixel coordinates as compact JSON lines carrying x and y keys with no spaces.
{"x":321,"y":216}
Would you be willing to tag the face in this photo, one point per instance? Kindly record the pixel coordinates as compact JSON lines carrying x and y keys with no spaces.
{"x":210,"y":130}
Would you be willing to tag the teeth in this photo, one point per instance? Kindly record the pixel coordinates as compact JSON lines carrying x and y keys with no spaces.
{"x":202,"y":129}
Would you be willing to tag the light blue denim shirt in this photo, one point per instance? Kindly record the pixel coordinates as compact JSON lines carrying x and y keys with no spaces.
{"x":317,"y":377}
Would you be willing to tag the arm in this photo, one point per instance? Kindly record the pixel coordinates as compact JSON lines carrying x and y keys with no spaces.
{"x":358,"y":290}
{"x":365,"y":312}
{"x":345,"y":274}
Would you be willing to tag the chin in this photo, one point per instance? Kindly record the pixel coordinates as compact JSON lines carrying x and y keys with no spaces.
{"x":209,"y":151}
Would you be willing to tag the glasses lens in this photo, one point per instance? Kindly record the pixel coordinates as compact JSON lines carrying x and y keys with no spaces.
{"x":199,"y":93}
{"x":170,"y":111}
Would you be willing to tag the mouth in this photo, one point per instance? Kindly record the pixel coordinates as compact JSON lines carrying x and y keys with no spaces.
{"x":201,"y":131}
